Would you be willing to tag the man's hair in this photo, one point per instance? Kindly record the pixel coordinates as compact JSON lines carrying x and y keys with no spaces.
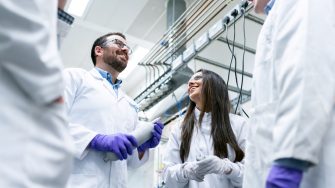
{"x":99,"y":41}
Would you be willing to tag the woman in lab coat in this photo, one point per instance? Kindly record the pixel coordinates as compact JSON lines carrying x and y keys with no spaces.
{"x":207,"y":149}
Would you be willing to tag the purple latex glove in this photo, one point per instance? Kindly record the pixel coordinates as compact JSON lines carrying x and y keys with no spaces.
{"x":284,"y":177}
{"x":156,"y":137}
{"x":120,"y":144}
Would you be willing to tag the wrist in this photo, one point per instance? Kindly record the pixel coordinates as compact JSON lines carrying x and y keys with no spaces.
{"x":184,"y":174}
{"x":228,"y":171}
{"x":293,"y":163}
{"x":140,"y":155}
{"x":141,"y":149}
{"x":228,"y":168}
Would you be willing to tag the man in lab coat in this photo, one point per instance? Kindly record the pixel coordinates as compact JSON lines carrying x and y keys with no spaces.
{"x":35,"y":143}
{"x":101,"y":116}
{"x":291,"y":143}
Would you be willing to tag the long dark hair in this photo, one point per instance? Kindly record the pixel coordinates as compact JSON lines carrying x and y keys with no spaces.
{"x":215,"y":100}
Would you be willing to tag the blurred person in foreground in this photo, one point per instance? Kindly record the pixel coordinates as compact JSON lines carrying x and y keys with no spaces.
{"x":292,"y":127}
{"x":36,"y":145}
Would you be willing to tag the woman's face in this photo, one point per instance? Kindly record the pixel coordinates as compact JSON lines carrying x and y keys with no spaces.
{"x":195,"y":88}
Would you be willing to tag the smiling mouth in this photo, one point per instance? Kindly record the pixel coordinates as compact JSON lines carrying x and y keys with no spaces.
{"x":124,"y":56}
{"x":191,"y":89}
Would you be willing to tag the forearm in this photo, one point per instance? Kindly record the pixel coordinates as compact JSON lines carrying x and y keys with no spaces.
{"x":293,"y":163}
{"x":37,"y":70}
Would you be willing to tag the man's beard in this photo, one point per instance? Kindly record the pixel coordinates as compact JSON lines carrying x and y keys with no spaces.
{"x":114,"y":62}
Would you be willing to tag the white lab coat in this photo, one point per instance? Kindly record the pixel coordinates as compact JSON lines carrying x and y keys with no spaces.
{"x":35,"y":143}
{"x":293,"y":93}
{"x":93,"y":107}
{"x":202,"y":145}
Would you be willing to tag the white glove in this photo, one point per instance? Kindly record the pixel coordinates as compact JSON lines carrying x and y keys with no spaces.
{"x":188,"y":171}
{"x":214,"y":165}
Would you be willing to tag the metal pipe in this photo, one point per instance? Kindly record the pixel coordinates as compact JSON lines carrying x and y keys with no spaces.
{"x":254,"y":19}
{"x":209,"y":61}
{"x":237,"y":90}
{"x":237,"y":45}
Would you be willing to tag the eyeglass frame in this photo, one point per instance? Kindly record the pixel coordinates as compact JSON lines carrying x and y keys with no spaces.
{"x":119,"y":44}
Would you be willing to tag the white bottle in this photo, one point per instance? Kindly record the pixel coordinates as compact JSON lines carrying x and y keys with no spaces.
{"x":142,"y":134}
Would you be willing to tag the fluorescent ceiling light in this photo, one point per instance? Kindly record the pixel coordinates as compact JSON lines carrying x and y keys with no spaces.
{"x":135,"y":58}
{"x":77,"y":7}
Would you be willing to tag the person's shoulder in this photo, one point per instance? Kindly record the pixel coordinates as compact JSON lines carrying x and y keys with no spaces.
{"x":75,"y":75}
{"x":237,"y":121}
{"x":177,"y":126}
{"x":77,"y":71}
{"x":239,"y":125}
{"x":131,"y":102}
{"x":237,"y":117}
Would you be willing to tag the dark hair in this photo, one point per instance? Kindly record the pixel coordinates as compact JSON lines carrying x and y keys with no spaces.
{"x":215,"y":100}
{"x":99,"y":41}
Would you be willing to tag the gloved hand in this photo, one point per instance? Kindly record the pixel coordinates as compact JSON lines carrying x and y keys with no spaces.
{"x":214,"y":165}
{"x":188,"y":172}
{"x":284,"y":177}
{"x":154,"y":140}
{"x":120,"y":144}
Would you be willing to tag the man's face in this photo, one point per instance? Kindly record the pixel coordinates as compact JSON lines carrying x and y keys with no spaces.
{"x":259,"y":5}
{"x":116,"y":54}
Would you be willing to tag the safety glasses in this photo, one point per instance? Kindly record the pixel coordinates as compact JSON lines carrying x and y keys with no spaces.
{"x":118,"y":43}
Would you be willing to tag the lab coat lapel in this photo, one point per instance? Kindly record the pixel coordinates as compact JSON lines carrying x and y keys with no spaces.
{"x":121,"y":94}
{"x":105,"y":83}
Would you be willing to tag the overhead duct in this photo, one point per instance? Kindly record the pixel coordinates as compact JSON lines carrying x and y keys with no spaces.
{"x":169,"y":81}
{"x":175,"y":9}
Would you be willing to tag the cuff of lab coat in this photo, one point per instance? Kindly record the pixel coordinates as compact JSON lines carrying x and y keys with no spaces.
{"x":293,"y":163}
{"x":83,"y":148}
{"x":236,"y":171}
{"x":175,"y":173}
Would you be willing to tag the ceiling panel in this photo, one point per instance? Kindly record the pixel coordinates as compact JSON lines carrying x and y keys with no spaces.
{"x":116,"y":14}
{"x":76,"y":47}
{"x":100,"y":11}
{"x":148,"y":18}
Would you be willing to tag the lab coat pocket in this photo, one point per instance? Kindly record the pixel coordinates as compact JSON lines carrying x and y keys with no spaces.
{"x":83,"y":181}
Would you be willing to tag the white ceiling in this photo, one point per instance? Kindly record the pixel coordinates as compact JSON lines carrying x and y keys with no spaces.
{"x":142,"y":21}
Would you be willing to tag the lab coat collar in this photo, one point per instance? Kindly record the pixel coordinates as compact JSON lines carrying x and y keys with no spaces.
{"x":206,"y":118}
{"x":95,"y":73}
{"x":109,"y":77}
{"x":206,"y":121}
